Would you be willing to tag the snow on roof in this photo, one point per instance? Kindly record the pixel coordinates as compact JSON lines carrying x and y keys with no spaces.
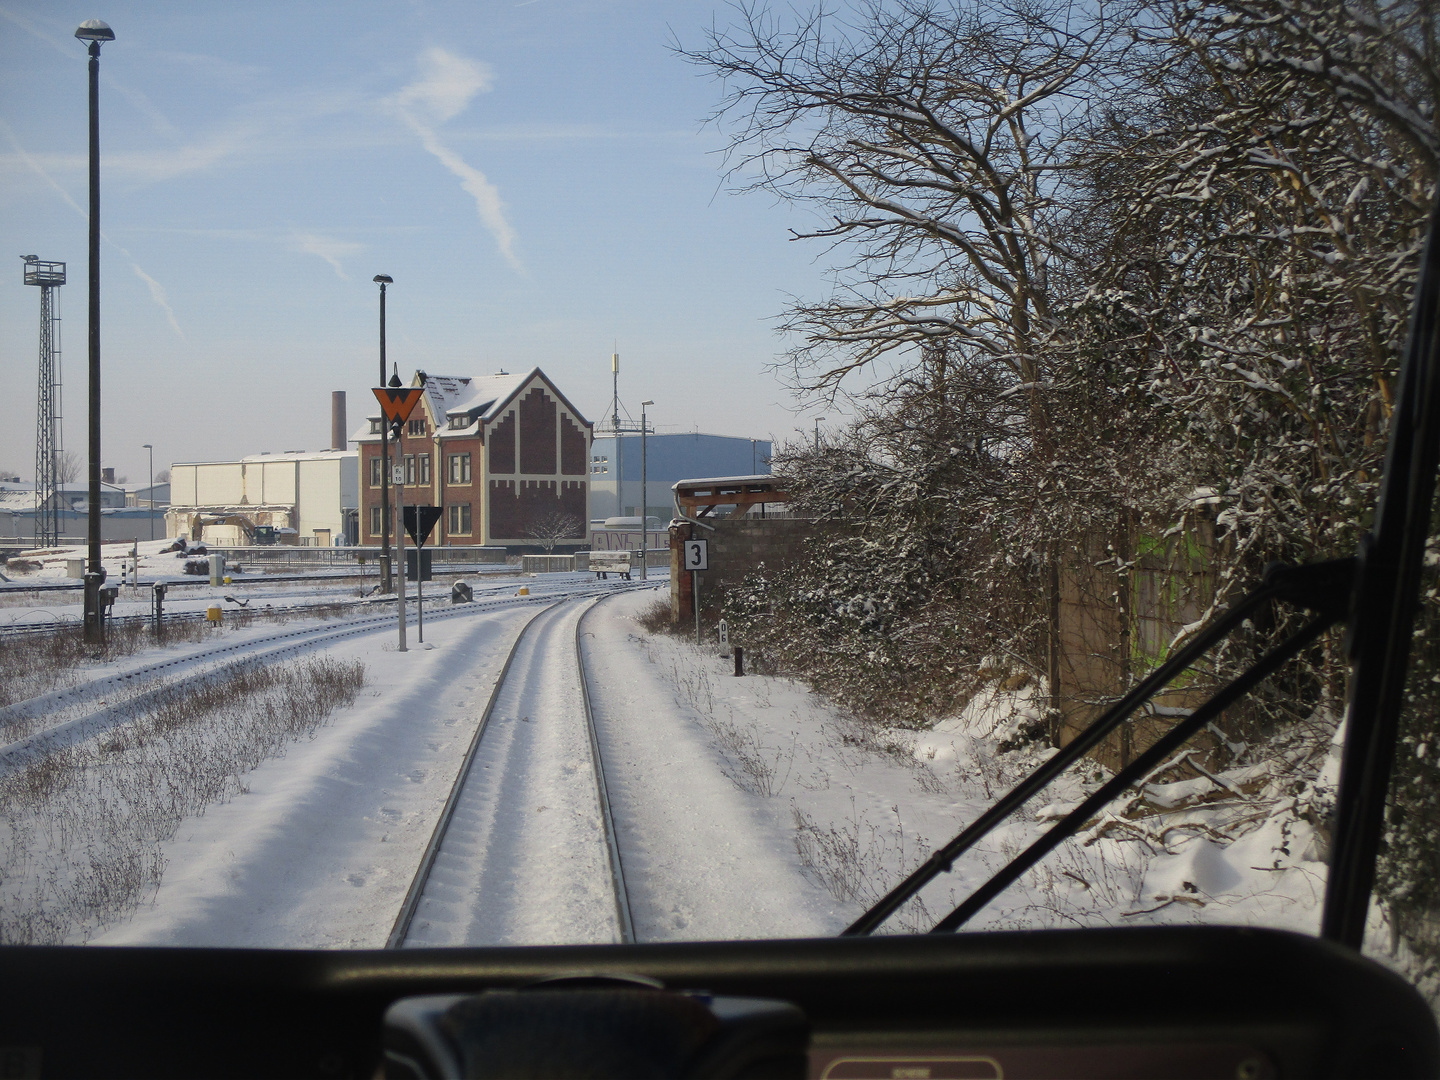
{"x":12,"y":498}
{"x":487,"y":394}
{"x":479,"y":397}
{"x":303,"y":455}
{"x":769,"y":479}
{"x":442,"y":391}
{"x":287,"y":455}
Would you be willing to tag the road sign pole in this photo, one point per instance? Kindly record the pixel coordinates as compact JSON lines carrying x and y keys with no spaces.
{"x":400,"y":557}
{"x":420,"y":589}
{"x":695,"y":598}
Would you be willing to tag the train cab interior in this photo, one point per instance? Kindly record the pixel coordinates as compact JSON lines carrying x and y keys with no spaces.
{"x":1191,"y":1001}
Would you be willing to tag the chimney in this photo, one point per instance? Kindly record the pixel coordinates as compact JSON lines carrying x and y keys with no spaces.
{"x":107,"y":476}
{"x":338,"y":439}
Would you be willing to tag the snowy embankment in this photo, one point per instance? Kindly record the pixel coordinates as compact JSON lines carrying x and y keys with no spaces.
{"x":830,"y":813}
{"x":744,"y":807}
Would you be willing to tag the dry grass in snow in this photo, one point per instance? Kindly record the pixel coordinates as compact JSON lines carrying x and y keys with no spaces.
{"x":81,"y":829}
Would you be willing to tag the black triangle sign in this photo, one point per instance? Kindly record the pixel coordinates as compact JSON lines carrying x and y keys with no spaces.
{"x":427,"y":517}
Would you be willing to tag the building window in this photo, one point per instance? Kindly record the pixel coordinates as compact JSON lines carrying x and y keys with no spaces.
{"x":416,"y":427}
{"x":460,"y":469}
{"x":459,"y":517}
{"x":458,"y":422}
{"x":424,"y":468}
{"x":377,"y":473}
{"x":375,"y":427}
{"x":599,"y":464}
{"x":374,"y":521}
{"x":409,"y":468}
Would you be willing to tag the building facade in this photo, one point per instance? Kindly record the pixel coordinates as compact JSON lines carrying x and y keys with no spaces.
{"x":615,"y":468}
{"x":315,"y":494}
{"x":507,"y":456}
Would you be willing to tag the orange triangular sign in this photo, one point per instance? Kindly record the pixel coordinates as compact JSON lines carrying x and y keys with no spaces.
{"x":398,"y":402}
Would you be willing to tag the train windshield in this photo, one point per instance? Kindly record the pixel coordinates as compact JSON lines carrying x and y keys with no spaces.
{"x":980,"y":363}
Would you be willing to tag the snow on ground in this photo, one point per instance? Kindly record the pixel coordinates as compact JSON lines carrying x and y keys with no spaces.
{"x":321,"y":850}
{"x":524,"y":861}
{"x":744,"y":807}
{"x":705,"y":855}
{"x":850,"y":809}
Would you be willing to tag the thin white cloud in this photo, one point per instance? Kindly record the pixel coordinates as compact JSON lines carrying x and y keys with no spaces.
{"x":74,"y":50}
{"x":68,"y":48}
{"x":446,"y":86}
{"x":327,"y":248}
{"x":35,"y":166}
{"x":157,"y":293}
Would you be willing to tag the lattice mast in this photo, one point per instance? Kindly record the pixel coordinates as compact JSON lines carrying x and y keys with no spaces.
{"x":619,"y":426}
{"x":49,"y":276}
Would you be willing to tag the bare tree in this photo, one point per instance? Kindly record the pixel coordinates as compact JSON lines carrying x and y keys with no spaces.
{"x":552,"y":527}
{"x":938,"y":141}
{"x":163,"y":476}
{"x":69,"y":467}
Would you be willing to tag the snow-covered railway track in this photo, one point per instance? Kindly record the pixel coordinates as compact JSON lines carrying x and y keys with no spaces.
{"x":206,"y":664}
{"x":497,"y":869}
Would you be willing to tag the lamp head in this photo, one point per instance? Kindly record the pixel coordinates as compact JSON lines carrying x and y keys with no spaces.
{"x":30,"y":258}
{"x":384,"y":279}
{"x":146,"y":446}
{"x":94,"y":30}
{"x":647,"y":403}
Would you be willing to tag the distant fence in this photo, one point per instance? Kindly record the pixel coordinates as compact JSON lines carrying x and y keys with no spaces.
{"x":281,"y":556}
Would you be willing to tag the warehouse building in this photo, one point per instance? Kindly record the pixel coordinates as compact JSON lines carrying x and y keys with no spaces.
{"x":296,"y":497}
{"x":615,"y":468}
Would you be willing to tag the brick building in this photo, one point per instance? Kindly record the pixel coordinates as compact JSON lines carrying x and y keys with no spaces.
{"x":505,"y":455}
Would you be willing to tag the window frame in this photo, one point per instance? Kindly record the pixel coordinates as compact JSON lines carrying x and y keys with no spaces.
{"x":458,"y":520}
{"x":458,"y":468}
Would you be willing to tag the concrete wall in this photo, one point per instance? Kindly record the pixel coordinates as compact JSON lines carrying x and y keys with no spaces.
{"x":737,"y":546}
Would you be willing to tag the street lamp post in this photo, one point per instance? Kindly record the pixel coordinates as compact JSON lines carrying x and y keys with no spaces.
{"x":385,"y":586}
{"x":147,"y":446}
{"x":644,"y":496}
{"x":95,"y":33}
{"x":400,"y":518}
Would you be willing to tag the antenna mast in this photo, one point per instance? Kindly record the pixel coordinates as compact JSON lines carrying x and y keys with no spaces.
{"x":619,"y":428}
{"x":49,"y":276}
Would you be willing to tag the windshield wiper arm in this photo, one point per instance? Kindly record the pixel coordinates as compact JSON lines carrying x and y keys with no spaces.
{"x":1323,"y":587}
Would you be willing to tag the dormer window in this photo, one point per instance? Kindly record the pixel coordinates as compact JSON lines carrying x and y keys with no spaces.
{"x":458,"y":422}
{"x":375,"y":427}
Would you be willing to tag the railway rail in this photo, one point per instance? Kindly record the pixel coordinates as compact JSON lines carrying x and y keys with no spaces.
{"x":178,"y":617}
{"x":207,"y":663}
{"x":468,"y":780}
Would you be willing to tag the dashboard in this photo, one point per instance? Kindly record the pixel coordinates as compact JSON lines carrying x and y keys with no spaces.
{"x":1143,"y":1002}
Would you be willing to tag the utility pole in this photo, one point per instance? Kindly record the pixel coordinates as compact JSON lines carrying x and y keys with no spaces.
{"x":644,"y":496}
{"x":95,"y":32}
{"x":385,"y":586}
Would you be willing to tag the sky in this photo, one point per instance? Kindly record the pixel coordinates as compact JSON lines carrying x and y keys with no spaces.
{"x":536,"y":175}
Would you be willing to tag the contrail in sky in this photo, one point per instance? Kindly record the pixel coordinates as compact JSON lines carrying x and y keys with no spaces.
{"x":157,"y":291}
{"x":446,"y":85}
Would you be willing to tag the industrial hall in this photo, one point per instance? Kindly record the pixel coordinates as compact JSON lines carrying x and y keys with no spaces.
{"x":506,"y":455}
